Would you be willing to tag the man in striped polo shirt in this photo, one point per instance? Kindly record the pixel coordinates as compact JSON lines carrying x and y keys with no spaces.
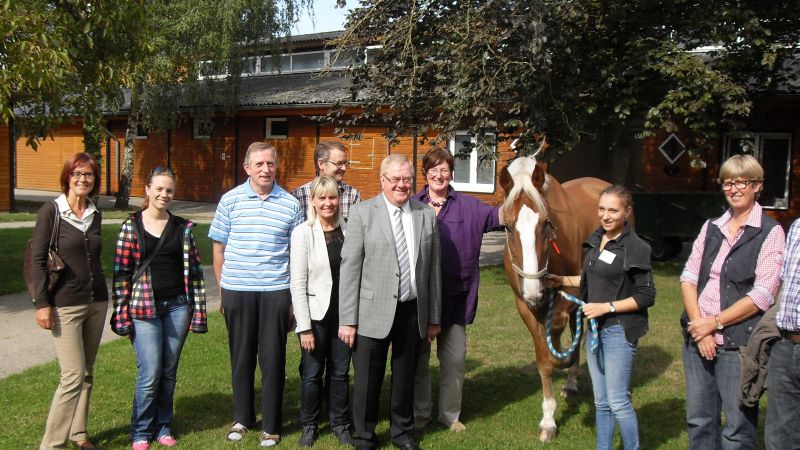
{"x":251,"y":231}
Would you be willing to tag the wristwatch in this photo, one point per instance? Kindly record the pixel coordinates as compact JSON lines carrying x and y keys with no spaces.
{"x":611,"y":307}
{"x":720,"y":325}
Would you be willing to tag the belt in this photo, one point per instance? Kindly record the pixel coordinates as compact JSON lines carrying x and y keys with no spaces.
{"x":790,"y":335}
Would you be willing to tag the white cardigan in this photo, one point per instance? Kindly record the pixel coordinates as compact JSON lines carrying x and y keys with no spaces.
{"x":311,"y":281}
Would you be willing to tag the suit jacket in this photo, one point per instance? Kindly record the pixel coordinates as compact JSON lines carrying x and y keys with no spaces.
{"x":369,"y":280}
{"x":311,"y":280}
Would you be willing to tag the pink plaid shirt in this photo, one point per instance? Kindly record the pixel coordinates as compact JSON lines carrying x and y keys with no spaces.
{"x":770,"y":261}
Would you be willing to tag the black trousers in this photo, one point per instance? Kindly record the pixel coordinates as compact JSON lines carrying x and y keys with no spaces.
{"x":369,"y":362}
{"x":257,"y":326}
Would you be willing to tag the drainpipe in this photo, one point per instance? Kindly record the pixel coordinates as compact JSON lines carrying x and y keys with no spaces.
{"x":169,"y":149}
{"x":12,"y":161}
{"x":414,"y":158}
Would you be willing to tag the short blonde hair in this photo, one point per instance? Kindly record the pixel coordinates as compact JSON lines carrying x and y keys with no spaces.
{"x":741,"y":166}
{"x":395,"y":158}
{"x":323,"y":185}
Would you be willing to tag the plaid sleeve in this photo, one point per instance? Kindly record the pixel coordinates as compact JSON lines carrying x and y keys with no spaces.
{"x":126,"y":252}
{"x":195,"y":285}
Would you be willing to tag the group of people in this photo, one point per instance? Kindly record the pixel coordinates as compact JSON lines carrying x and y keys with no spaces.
{"x":353,"y":278}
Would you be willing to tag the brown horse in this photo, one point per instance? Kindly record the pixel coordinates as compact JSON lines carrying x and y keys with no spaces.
{"x":547,"y":222}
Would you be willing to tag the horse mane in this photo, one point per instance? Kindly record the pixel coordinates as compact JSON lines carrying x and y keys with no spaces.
{"x":521,"y":171}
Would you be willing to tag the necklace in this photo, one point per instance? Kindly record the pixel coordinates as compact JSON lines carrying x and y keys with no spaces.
{"x":437,"y":204}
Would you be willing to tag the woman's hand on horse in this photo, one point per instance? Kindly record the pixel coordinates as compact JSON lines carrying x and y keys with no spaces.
{"x":307,"y":340}
{"x":554,"y":281}
{"x":702,"y":327}
{"x":595,"y":310}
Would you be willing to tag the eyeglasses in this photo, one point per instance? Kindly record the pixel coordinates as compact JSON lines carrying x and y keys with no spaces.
{"x":442,"y":172}
{"x":397,"y":180}
{"x":88,"y":175}
{"x":340,"y":165}
{"x":740,"y":184}
{"x":161,"y":170}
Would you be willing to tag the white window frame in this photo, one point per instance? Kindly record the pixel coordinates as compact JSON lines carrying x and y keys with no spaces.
{"x":139,"y":135}
{"x":758,"y":149}
{"x":197,"y":130}
{"x":474,"y":159}
{"x":268,"y":128}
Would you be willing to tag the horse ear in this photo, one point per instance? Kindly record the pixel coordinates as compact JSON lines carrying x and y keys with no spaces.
{"x":537,"y":178}
{"x":505,"y":180}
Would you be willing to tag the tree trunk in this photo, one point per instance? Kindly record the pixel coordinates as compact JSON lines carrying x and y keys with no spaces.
{"x":126,"y":178}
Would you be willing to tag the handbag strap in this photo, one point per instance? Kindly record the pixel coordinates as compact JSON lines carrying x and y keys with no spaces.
{"x":54,"y":232}
{"x":167,"y":230}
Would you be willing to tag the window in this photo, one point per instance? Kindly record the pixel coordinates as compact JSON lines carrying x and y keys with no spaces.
{"x":472,"y":174}
{"x":201,"y":128}
{"x":774,"y":152}
{"x":141,"y":131}
{"x":277,"y":128}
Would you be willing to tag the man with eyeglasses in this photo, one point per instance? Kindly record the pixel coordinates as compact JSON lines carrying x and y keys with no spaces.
{"x":389,"y":294}
{"x":331,"y":159}
{"x":251,"y":230}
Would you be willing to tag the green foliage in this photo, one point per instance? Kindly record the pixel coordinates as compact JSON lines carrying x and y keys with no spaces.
{"x":570,"y":71}
{"x":62,"y":59}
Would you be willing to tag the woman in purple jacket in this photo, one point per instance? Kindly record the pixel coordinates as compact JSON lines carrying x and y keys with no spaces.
{"x":462,"y":221}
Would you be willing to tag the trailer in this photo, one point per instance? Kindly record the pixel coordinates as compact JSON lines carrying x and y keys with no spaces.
{"x":668,"y":219}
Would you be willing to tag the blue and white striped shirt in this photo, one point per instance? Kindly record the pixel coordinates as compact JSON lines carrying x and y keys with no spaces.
{"x":788,"y":317}
{"x":256,"y":234}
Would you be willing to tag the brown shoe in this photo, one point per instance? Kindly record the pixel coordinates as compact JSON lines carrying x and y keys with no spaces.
{"x":85,"y":445}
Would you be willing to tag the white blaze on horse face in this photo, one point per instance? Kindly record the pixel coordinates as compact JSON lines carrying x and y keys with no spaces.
{"x":526,"y":229}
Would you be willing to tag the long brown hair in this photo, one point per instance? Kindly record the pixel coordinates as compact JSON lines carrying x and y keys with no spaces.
{"x":157,"y":171}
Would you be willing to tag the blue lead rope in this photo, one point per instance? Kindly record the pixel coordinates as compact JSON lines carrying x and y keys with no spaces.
{"x":594,"y":343}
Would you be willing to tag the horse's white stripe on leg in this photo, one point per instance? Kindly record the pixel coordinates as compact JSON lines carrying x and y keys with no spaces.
{"x":548,"y":413}
{"x":526,"y":229}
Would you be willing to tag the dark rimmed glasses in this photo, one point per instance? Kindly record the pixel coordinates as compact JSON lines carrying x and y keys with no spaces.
{"x":739,"y":184}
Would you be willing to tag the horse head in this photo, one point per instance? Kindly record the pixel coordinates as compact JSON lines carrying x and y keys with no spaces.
{"x":529,"y":229}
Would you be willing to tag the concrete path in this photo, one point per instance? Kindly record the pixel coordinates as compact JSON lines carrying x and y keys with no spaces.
{"x":23,"y":344}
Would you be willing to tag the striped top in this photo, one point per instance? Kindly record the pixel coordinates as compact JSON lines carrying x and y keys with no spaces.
{"x":789,"y":313}
{"x":256,"y":234}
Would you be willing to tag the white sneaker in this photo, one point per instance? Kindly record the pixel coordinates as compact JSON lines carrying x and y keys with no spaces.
{"x":236,"y":432}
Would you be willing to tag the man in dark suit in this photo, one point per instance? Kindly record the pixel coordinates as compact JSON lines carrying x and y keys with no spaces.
{"x":390,"y":294}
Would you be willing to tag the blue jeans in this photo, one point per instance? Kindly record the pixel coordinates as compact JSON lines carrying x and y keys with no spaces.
{"x":712,"y":387}
{"x":783,"y":410}
{"x":610,"y":369}
{"x":334,"y":355}
{"x":157,"y":344}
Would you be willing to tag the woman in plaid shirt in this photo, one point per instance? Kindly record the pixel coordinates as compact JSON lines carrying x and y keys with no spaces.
{"x":159,"y":296}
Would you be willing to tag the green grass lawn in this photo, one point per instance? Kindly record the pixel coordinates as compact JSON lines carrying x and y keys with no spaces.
{"x":12,"y":247}
{"x":502,"y":392}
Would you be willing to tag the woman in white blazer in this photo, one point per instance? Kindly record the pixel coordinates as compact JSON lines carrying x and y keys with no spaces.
{"x":315,"y":258}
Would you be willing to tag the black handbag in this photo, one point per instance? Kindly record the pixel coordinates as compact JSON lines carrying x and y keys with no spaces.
{"x":54,"y":262}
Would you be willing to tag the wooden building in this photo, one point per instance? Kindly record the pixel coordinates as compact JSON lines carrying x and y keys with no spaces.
{"x":279,"y":108}
{"x":5,"y":169}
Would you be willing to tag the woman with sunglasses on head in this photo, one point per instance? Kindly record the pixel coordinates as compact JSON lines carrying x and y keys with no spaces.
{"x":729,"y":281}
{"x":159,"y":296}
{"x":75,"y":308}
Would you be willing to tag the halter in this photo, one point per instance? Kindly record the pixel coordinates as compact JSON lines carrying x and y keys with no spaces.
{"x":549,"y":237}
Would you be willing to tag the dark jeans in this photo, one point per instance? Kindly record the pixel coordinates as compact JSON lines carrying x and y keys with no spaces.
{"x":783,"y":410}
{"x":257,"y":326}
{"x":332,"y":355}
{"x":712,"y":387}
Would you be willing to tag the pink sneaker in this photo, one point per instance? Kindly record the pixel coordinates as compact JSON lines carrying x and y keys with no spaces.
{"x":167,"y":441}
{"x":140,"y":445}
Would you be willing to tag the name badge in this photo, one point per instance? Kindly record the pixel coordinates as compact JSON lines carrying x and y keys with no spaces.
{"x":607,"y":257}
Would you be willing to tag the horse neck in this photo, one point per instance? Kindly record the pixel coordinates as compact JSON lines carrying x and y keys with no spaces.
{"x":569,"y":233}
